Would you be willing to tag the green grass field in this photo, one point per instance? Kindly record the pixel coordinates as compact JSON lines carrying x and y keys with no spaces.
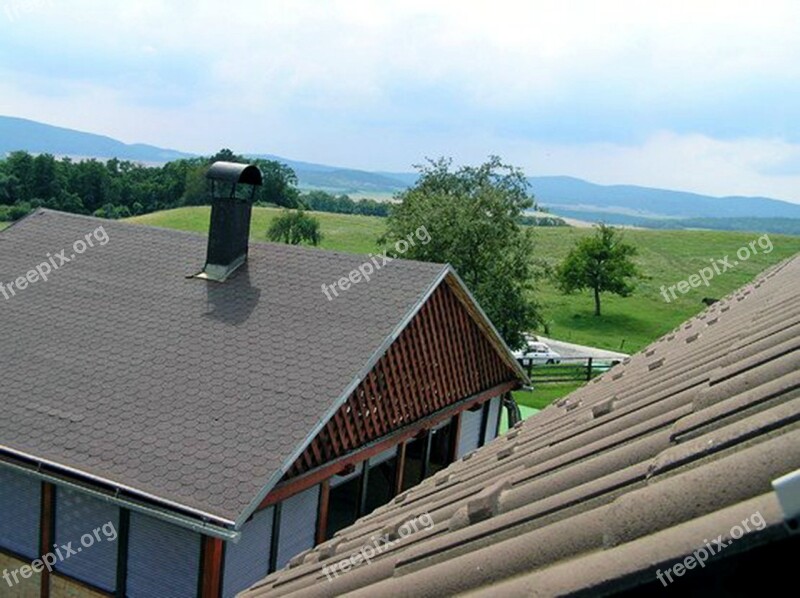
{"x":627,"y":324}
{"x":666,"y":257}
{"x":341,"y":232}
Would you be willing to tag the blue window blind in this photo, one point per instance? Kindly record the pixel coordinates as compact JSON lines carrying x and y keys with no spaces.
{"x":247,"y":561}
{"x":298,"y":524}
{"x":470,"y":434}
{"x":77,"y":516}
{"x":20,"y":507}
{"x":163,"y":559}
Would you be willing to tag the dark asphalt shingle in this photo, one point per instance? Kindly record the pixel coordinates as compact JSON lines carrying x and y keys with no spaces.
{"x":195,"y":392}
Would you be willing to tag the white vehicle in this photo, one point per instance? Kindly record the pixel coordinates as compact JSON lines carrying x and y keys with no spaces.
{"x":536,"y":354}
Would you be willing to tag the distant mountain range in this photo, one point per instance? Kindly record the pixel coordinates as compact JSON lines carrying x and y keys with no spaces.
{"x":39,"y":138}
{"x":567,"y":196}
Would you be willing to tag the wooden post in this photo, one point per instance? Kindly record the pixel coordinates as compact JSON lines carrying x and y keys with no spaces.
{"x":484,"y":422}
{"x":122,"y":552}
{"x":400,"y":465}
{"x":363,"y":488}
{"x":211,"y":567}
{"x":47,"y":529}
{"x":589,"y":369}
{"x":276,"y":532}
{"x":322,"y":513}
{"x":455,"y":434}
{"x":426,"y":455}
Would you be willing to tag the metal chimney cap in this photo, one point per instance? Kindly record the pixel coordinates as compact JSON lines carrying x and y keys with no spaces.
{"x":233,"y":172}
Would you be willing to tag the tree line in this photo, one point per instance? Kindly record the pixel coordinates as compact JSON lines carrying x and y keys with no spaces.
{"x":120,"y":188}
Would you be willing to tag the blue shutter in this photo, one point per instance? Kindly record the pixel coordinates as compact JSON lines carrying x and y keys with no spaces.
{"x":247,"y":561}
{"x":298,"y":524}
{"x":494,"y":414}
{"x":77,"y":515}
{"x":20,"y":507}
{"x":470,"y":433}
{"x":163,"y":559}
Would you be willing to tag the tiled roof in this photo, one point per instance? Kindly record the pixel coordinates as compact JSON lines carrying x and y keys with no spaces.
{"x":625,"y":476}
{"x":195,"y":392}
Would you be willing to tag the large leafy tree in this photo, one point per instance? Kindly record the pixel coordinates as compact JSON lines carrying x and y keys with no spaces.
{"x":601,"y":263}
{"x":279,"y":185}
{"x":471,"y":215}
{"x":295,"y":227}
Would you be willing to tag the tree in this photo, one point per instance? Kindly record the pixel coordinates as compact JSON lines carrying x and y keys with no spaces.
{"x":471,"y":217}
{"x":295,"y":227}
{"x":601,"y":263}
{"x":279,"y":185}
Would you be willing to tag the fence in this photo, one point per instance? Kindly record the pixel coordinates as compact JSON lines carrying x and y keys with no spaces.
{"x":571,"y":369}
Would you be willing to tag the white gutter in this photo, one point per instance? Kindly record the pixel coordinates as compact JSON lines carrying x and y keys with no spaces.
{"x":218,"y":529}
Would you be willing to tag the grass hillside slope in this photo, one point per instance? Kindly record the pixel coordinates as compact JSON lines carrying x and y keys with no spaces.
{"x":341,"y":232}
{"x":627,"y":324}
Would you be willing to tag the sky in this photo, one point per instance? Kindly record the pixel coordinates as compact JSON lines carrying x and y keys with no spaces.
{"x":699,"y":96}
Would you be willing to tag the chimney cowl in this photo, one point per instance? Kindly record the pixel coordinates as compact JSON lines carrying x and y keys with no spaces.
{"x":233,"y":188}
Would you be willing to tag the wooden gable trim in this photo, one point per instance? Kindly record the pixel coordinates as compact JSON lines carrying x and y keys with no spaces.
{"x":446,"y":353}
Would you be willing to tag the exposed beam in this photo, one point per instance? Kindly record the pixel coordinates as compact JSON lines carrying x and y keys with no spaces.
{"x":47,"y":529}
{"x":399,"y":465}
{"x":363,"y":489}
{"x":322,"y":513}
{"x":291,"y":487}
{"x":211,"y":567}
{"x":122,"y":552}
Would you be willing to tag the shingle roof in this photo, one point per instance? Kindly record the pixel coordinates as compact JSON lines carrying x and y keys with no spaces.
{"x":626,"y":475}
{"x":195,"y":392}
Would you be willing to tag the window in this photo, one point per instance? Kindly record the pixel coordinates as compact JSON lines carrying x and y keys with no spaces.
{"x":298,"y":526}
{"x":20,"y":508}
{"x":381,"y":480}
{"x":413,"y":471}
{"x":440,"y":451}
{"x":83,"y":521}
{"x":163,"y":559}
{"x":343,"y":502}
{"x":247,"y":561}
{"x":470,"y":437}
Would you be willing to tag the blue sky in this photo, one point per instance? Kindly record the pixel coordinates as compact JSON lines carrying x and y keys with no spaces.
{"x":699,"y":96}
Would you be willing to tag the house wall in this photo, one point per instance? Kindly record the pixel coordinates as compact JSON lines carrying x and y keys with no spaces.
{"x":162,"y":559}
{"x":26,"y":588}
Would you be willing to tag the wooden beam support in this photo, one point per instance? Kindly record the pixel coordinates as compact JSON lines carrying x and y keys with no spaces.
{"x":122,"y":552}
{"x":426,"y":454}
{"x":485,"y":421}
{"x":363,"y":489}
{"x":322,"y":512}
{"x":455,"y":436}
{"x":399,"y":467}
{"x":275,"y":540}
{"x":47,"y":531}
{"x":291,"y":487}
{"x":211,"y":567}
